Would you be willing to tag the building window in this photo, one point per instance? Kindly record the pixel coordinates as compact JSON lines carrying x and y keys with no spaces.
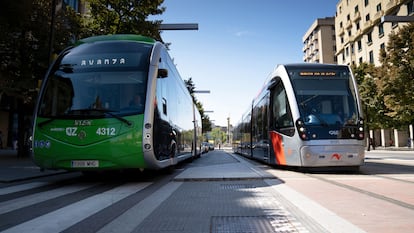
{"x":349,"y":33}
{"x":382,"y":49}
{"x":360,"y":60}
{"x":369,"y":38}
{"x":381,"y":30}
{"x":410,"y":7}
{"x":352,"y":49}
{"x":348,"y":17}
{"x":347,"y":51}
{"x":357,"y":25}
{"x":371,"y":57}
{"x":342,"y":39}
{"x":366,"y":2}
{"x":359,"y":44}
{"x":367,"y":18}
{"x":379,"y":7}
{"x":356,"y":9}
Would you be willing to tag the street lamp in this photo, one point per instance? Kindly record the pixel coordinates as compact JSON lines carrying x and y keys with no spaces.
{"x":397,"y":19}
{"x":194,"y":119}
{"x":178,"y":26}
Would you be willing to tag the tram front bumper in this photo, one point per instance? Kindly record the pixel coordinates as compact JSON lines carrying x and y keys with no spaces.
{"x":332,"y":155}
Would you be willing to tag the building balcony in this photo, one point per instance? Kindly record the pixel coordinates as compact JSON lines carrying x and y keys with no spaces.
{"x":357,"y":16}
{"x":377,"y":16}
{"x":341,"y":31}
{"x":367,"y":26}
{"x":348,"y":25}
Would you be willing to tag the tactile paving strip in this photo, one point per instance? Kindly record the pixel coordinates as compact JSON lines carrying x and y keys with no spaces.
{"x":252,"y":224}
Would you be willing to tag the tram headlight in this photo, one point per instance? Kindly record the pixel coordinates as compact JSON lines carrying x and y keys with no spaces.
{"x":361,"y":134}
{"x":301,"y":130}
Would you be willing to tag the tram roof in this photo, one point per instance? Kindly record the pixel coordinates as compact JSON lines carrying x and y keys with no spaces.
{"x":117,"y":37}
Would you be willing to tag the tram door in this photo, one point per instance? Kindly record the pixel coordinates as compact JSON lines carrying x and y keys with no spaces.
{"x":281,"y":128}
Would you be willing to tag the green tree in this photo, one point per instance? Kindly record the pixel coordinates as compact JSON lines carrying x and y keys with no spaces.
{"x":24,"y":44}
{"x":24,"y":56}
{"x":371,"y":96}
{"x":397,"y":75}
{"x":206,"y":123}
{"x":218,"y":135}
{"x":124,"y":17}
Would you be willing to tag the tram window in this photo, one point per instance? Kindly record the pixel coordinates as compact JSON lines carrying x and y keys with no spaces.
{"x":281,"y":115}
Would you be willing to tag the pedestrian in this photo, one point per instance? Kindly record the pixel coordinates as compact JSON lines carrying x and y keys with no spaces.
{"x":371,"y":143}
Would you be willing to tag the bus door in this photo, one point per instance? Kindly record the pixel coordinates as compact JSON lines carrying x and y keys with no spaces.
{"x":284,"y":146}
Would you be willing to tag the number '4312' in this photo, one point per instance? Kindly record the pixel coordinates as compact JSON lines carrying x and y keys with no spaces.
{"x":106,"y":131}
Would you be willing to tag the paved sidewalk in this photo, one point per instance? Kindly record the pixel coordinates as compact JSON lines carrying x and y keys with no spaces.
{"x":14,"y":168}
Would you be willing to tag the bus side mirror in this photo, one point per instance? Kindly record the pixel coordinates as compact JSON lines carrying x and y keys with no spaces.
{"x":162,"y":73}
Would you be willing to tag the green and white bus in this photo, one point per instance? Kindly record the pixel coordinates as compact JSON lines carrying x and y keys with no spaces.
{"x":114,"y":102}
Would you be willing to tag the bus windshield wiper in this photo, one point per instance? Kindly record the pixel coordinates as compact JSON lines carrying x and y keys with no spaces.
{"x":105,"y":111}
{"x":41,"y":124}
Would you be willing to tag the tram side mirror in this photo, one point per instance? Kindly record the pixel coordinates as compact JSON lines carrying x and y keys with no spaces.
{"x":162,"y":73}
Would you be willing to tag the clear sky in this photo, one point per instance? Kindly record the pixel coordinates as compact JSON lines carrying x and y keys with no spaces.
{"x":238,"y":44}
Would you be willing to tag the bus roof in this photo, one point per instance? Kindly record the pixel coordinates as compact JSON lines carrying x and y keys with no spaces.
{"x":129,"y":37}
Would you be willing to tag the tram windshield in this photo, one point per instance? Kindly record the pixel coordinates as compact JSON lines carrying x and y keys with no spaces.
{"x":96,"y":84}
{"x":326,"y":98}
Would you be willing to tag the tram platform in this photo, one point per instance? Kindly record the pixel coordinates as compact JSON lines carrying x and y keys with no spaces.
{"x":222,"y":192}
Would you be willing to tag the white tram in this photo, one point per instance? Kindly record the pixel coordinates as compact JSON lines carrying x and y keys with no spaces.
{"x":306,"y":115}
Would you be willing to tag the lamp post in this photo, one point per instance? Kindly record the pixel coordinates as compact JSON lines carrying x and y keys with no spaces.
{"x":195,"y":120}
{"x":178,"y":26}
{"x":397,"y":19}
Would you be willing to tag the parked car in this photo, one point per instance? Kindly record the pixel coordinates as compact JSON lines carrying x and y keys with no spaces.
{"x":204,"y":147}
{"x":210,"y":146}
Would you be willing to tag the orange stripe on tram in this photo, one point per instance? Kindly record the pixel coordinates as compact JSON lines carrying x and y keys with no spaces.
{"x":278,"y":148}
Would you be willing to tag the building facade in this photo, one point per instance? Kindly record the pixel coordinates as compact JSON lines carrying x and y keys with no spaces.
{"x":360,"y":33}
{"x":319,"y":42}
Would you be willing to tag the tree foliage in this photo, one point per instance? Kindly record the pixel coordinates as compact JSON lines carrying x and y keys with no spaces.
{"x":387,"y":92}
{"x":205,"y":119}
{"x":24,"y":44}
{"x":26,"y":41}
{"x":397,"y":75}
{"x":125,"y":17}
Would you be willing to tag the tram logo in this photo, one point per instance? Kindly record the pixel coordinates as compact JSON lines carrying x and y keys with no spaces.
{"x":333,"y":132}
{"x":336,"y":156}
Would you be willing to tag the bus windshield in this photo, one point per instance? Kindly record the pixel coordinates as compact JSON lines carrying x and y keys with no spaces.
{"x":93,"y":82}
{"x":328,"y":99}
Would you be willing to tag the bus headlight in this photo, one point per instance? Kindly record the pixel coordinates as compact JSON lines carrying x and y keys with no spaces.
{"x":147,"y":146}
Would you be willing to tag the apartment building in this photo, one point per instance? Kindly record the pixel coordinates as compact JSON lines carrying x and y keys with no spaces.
{"x":319,"y":42}
{"x":360,"y":34}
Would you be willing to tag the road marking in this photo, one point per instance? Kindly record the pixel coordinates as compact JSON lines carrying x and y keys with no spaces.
{"x":129,"y":220}
{"x":21,"y":187}
{"x":63,"y":218}
{"x":39,"y":197}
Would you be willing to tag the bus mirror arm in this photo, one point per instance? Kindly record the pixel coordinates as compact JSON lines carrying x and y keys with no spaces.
{"x":162,"y":73}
